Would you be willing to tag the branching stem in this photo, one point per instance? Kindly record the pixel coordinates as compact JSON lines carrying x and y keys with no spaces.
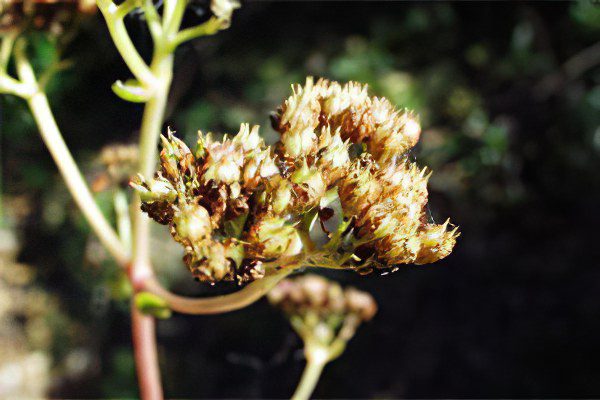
{"x":114,"y":16}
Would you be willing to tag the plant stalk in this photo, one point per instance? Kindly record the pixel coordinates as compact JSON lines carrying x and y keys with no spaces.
{"x":144,"y":340}
{"x":218,"y":304}
{"x":146,"y":356}
{"x":40,"y":108}
{"x":310,"y":377}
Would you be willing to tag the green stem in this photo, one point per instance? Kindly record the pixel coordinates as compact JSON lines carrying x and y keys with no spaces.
{"x":114,"y":15}
{"x":210,"y":27}
{"x":310,"y":378}
{"x":141,"y":268}
{"x":152,"y":121}
{"x":123,"y":217}
{"x":219,"y":304}
{"x":40,"y":108}
{"x":42,"y":114}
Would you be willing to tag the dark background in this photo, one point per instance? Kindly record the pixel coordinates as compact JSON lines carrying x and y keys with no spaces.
{"x":509,"y":98}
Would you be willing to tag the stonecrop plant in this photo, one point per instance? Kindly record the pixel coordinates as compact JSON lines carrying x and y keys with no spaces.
{"x":338,"y":190}
{"x":237,"y":205}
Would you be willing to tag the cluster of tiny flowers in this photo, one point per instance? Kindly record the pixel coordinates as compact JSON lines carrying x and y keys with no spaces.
{"x":235,"y":204}
{"x":320,"y":310}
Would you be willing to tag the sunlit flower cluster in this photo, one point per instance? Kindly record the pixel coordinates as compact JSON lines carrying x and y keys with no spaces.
{"x":236,"y":203}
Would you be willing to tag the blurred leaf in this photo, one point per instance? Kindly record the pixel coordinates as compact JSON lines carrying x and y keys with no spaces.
{"x":151,"y":304}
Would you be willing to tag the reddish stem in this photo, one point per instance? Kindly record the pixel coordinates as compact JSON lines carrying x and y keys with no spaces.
{"x":146,"y":355}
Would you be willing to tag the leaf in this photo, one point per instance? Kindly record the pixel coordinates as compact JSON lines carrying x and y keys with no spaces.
{"x":152,"y":304}
{"x":131,"y":91}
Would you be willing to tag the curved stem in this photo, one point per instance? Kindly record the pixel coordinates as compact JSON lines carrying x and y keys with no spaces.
{"x":123,"y":217}
{"x":146,"y":355}
{"x":310,"y":378}
{"x":219,"y":304}
{"x":40,"y":108}
{"x":113,"y":15}
{"x":210,"y":27}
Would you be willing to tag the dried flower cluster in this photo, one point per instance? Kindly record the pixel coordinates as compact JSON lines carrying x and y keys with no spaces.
{"x":320,"y":311}
{"x":236,"y":203}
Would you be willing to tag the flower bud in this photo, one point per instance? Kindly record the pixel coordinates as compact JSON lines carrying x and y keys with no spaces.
{"x":300,"y":142}
{"x":191,"y":223}
{"x":223,"y":163}
{"x":271,"y":237}
{"x":247,"y":138}
{"x":359,"y":189}
{"x":394,"y":137}
{"x":334,"y":159}
{"x":223,"y":10}
{"x":298,"y":119}
{"x":259,"y":165}
{"x":436,"y":242}
{"x":360,"y":303}
{"x":282,"y":198}
{"x":208,"y":261}
{"x":310,"y":186}
{"x":158,"y":197}
{"x":157,"y":189}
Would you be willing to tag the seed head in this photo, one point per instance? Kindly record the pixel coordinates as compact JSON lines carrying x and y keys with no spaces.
{"x":235,"y":203}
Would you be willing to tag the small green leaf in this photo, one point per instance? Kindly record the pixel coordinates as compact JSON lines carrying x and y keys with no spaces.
{"x":131,"y":91}
{"x":152,"y":304}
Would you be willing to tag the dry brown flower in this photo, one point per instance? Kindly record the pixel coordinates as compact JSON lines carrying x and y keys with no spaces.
{"x":236,"y":203}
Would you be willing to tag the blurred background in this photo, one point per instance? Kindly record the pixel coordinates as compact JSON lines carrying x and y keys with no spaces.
{"x":509,"y":98}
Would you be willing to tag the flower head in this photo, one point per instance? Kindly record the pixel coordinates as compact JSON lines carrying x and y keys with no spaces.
{"x":236,"y":203}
